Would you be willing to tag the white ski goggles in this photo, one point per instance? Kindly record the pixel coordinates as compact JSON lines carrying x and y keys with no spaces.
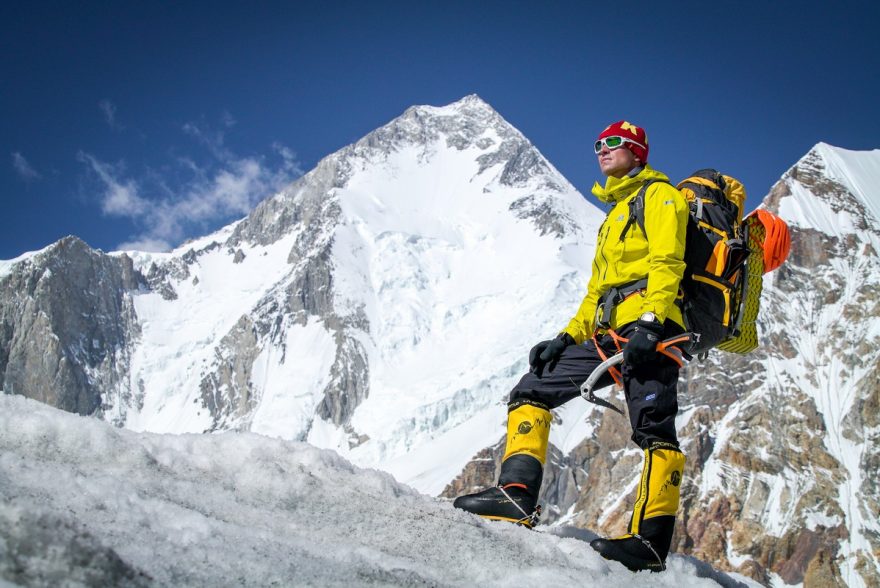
{"x":614,"y":142}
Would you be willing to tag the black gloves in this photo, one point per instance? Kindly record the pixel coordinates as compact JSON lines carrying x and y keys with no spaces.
{"x":642,"y":345}
{"x":548,"y":353}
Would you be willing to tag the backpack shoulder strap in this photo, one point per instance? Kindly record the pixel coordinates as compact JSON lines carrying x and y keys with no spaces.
{"x":637,"y":208}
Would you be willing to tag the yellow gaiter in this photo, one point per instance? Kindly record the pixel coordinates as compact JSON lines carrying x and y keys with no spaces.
{"x":660,"y":486}
{"x":528,"y":430}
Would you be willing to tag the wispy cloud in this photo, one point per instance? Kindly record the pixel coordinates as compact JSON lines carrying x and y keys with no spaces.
{"x":121,"y":197}
{"x":171,"y":210}
{"x":23,"y":168}
{"x":144,"y":244}
{"x":109,"y":110}
{"x":212,"y":138}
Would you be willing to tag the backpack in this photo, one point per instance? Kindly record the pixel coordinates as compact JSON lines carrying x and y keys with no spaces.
{"x":725,"y":257}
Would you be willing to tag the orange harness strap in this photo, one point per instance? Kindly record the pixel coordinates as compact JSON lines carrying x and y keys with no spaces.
{"x":615,"y":373}
{"x":667,"y":348}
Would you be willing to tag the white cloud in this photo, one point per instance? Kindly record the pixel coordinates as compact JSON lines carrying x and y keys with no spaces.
{"x":211,"y":138}
{"x":288,"y":156}
{"x":24,"y":168}
{"x":147,"y":244}
{"x":215,"y":193}
{"x":227,"y":119}
{"x":109,"y":110}
{"x":120,"y":197}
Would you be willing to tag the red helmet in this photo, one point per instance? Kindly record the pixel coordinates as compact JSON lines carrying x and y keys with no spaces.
{"x":636,"y":140}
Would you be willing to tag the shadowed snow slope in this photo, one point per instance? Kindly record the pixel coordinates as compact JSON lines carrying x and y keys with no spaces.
{"x":84,"y":503}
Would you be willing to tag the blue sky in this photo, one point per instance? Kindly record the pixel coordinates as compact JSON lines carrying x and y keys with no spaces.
{"x":145,"y":123}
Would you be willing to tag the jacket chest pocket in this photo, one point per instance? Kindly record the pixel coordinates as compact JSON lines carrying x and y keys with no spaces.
{"x":625,"y":239}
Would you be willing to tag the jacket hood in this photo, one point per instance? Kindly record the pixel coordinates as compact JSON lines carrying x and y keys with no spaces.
{"x":616,"y":189}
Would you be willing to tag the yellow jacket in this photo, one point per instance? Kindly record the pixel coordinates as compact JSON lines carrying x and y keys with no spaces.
{"x":618,"y":262}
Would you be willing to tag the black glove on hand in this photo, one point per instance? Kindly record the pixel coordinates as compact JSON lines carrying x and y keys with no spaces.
{"x":548,"y":353}
{"x":642,"y":345}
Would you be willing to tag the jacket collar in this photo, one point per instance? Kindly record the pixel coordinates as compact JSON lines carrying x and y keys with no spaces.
{"x":617,"y":189}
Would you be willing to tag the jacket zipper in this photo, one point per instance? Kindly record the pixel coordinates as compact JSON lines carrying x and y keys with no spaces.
{"x":602,"y":252}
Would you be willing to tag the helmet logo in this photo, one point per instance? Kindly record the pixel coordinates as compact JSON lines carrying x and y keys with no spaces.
{"x":625,"y":126}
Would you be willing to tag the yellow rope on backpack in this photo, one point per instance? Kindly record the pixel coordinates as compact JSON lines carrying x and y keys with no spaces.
{"x":747,"y":340}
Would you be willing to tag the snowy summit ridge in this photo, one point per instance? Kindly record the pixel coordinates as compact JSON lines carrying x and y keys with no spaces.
{"x":847,"y":183}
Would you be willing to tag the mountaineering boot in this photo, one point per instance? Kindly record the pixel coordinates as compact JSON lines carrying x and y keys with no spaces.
{"x":646,"y":545}
{"x":502,"y":503}
{"x":522,"y":469}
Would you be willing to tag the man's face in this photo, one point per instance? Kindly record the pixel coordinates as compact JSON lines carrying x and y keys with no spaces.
{"x":616,"y":162}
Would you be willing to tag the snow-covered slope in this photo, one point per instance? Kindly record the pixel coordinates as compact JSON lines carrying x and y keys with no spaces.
{"x":447,"y":245}
{"x":85,"y":504}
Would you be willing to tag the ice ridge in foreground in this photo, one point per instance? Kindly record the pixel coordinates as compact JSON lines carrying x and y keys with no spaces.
{"x":84,"y":503}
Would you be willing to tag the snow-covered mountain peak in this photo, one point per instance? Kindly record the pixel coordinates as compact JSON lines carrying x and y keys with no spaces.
{"x":831,"y":190}
{"x":471,"y":105}
{"x":380,"y":278}
{"x":465,"y":137}
{"x":826,"y":292}
{"x":857,"y":170}
{"x":469,"y":124}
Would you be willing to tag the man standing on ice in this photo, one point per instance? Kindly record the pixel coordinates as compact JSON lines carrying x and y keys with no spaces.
{"x":630,"y":305}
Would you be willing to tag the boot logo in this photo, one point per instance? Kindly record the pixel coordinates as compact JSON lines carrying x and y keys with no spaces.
{"x":524,"y":428}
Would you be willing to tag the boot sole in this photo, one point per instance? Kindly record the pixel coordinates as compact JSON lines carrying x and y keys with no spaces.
{"x":519,"y":522}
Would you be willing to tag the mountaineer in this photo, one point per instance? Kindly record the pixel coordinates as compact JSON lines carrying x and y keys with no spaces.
{"x":630,"y":306}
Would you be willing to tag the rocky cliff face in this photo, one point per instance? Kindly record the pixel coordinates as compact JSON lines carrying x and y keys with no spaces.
{"x":67,"y":324}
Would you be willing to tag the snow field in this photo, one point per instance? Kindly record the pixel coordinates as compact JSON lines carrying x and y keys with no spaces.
{"x":244,"y":509}
{"x":179,"y":337}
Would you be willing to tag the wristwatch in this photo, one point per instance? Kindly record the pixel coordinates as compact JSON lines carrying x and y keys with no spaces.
{"x":648,"y":317}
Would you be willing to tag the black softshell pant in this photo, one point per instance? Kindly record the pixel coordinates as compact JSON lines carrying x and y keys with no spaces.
{"x":650,"y":389}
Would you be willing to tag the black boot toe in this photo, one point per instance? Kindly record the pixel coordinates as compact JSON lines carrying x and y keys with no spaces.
{"x":512,"y":504}
{"x":635,"y":553}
